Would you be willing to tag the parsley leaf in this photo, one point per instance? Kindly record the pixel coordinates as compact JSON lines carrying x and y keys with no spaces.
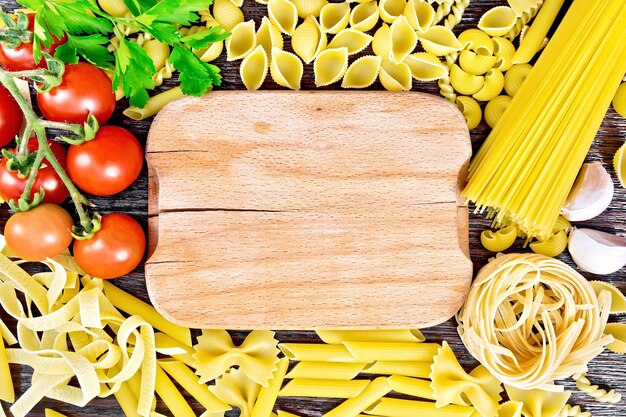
{"x":138,"y":7}
{"x":196,"y":77}
{"x":91,"y":47}
{"x":174,"y":11}
{"x":164,"y":32}
{"x":202,"y":40}
{"x":133,"y":70}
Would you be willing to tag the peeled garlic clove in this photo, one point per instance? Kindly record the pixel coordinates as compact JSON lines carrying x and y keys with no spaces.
{"x":591,"y":194}
{"x":597,"y":252}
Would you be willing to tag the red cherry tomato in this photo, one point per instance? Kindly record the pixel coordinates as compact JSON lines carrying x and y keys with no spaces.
{"x":115,"y":250}
{"x":11,"y":117}
{"x":85,"y":89}
{"x":107,"y":164}
{"x":12,"y":187}
{"x":21,"y":58}
{"x":40,"y":233}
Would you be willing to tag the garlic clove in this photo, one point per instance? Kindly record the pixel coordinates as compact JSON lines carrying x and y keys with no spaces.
{"x":591,"y":194}
{"x":597,"y":252}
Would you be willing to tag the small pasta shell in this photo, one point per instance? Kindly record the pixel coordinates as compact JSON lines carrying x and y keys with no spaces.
{"x":158,"y":52}
{"x":478,"y":41}
{"x":420,"y":15}
{"x":308,"y":8}
{"x":308,"y":40}
{"x":471,"y":111}
{"x":116,"y":8}
{"x":395,"y":77}
{"x":227,"y":14}
{"x":237,"y":3}
{"x":207,"y":18}
{"x":523,"y":6}
{"x":352,"y":39}
{"x":241,"y":42}
{"x":494,"y":83}
{"x":286,"y":69}
{"x":381,"y":44}
{"x":403,"y":39}
{"x":440,"y":41}
{"x":426,"y":67}
{"x":283,"y":14}
{"x":495,"y":109}
{"x":390,"y":10}
{"x":465,"y":83}
{"x":362,"y":73}
{"x":515,"y":77}
{"x":330,"y":66}
{"x":211,"y":53}
{"x":269,"y":36}
{"x":253,"y":69}
{"x":334,"y":17}
{"x":498,"y":21}
{"x":364,"y":16}
{"x":504,"y":50}
{"x":475,"y":63}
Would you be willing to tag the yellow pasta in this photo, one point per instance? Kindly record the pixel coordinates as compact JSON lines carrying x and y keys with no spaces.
{"x":236,"y":389}
{"x":352,"y":407}
{"x":533,"y":39}
{"x":538,"y":403}
{"x":594,"y":391}
{"x":411,"y":386}
{"x":352,"y":39}
{"x":340,"y":336}
{"x":253,"y":69}
{"x":116,"y":8}
{"x":404,"y":368}
{"x":393,"y":407}
{"x":242,"y":41}
{"x":211,"y":53}
{"x":618,"y":300}
{"x":504,"y":51}
{"x":465,"y":83}
{"x":227,"y":14}
{"x":158,"y":52}
{"x":324,"y":388}
{"x":390,"y":10}
{"x":330,"y":66}
{"x":569,"y":411}
{"x":500,"y":240}
{"x":478,"y":41}
{"x":316,"y":352}
{"x":152,"y":107}
{"x":308,"y":40}
{"x":440,"y":41}
{"x":7,"y":393}
{"x":395,"y":77}
{"x":362,"y":73}
{"x":127,"y":400}
{"x":618,"y":331}
{"x":619,"y":101}
{"x":515,"y":77}
{"x":471,"y":111}
{"x":523,"y":6}
{"x":553,"y":246}
{"x":474,"y":63}
{"x":325,"y":370}
{"x":495,"y":109}
{"x":308,"y":8}
{"x":420,"y":15}
{"x":286,"y":69}
{"x":381,"y":44}
{"x":510,"y":409}
{"x":52,"y":413}
{"x":403,"y":39}
{"x":334,"y":17}
{"x":364,"y":16}
{"x":283,"y":14}
{"x":268,"y":395}
{"x":494,"y":83}
{"x":426,"y":67}
{"x":269,"y":36}
{"x":498,"y":21}
{"x":392,"y":351}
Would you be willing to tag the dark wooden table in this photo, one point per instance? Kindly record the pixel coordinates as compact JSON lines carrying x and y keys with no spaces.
{"x":608,"y":370}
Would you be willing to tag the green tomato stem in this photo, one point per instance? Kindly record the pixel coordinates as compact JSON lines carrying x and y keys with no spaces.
{"x":76,"y":129}
{"x":32,"y":176}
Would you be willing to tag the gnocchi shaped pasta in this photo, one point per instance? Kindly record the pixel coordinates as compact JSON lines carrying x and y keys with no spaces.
{"x":352,"y":39}
{"x":308,"y":40}
{"x":494,"y":83}
{"x":470,"y":110}
{"x":395,"y":77}
{"x":241,"y":42}
{"x":334,"y":17}
{"x":364,"y":16}
{"x":330,"y":66}
{"x":465,"y":83}
{"x":283,"y":14}
{"x":269,"y":36}
{"x":426,"y":67}
{"x":362,"y":73}
{"x":308,"y":8}
{"x":390,"y":10}
{"x":253,"y":69}
{"x":420,"y":15}
{"x":478,"y":41}
{"x":381,"y":44}
{"x":498,"y":21}
{"x":403,"y":39}
{"x":286,"y":69}
{"x":440,"y":41}
{"x":227,"y":14}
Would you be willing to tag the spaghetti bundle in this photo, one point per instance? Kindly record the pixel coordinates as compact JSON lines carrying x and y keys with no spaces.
{"x":528,"y":164}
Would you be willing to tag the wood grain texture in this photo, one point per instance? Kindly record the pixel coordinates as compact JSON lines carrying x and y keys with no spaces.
{"x":348,"y":200}
{"x":608,"y":370}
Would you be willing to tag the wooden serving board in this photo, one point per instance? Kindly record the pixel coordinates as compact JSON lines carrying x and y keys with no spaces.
{"x":308,"y":210}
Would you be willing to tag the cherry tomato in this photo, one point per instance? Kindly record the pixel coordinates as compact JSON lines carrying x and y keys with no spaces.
{"x":107,"y":164}
{"x":40,"y":233}
{"x":11,"y":117}
{"x":12,"y":186}
{"x":115,"y":250}
{"x":85,"y":89}
{"x":21,"y":58}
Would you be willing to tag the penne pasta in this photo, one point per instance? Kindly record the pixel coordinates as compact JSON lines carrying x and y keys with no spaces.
{"x":127,"y":400}
{"x":268,"y":395}
{"x":326,"y":370}
{"x":316,"y":352}
{"x":170,"y":395}
{"x":352,"y":407}
{"x":340,"y":336}
{"x":405,"y":368}
{"x":375,"y":351}
{"x":324,"y":388}
{"x":152,"y":107}
{"x":393,"y":407}
{"x":534,"y":38}
{"x":411,"y":386}
{"x":286,"y":69}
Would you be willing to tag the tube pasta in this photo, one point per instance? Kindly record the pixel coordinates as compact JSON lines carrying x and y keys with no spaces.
{"x":533,"y":39}
{"x":600,"y":395}
{"x":227,"y":14}
{"x":523,"y":20}
{"x":253,"y":69}
{"x":404,"y":368}
{"x":283,"y":14}
{"x":395,"y":77}
{"x":440,"y":41}
{"x":618,"y":300}
{"x":553,"y":246}
{"x":171,"y":396}
{"x":286,"y":69}
{"x":316,"y":352}
{"x":352,"y":407}
{"x":403,"y":39}
{"x":400,"y":351}
{"x":242,"y":41}
{"x":364,"y":16}
{"x":334,"y":17}
{"x":325,"y":370}
{"x":340,"y":336}
{"x":515,"y":77}
{"x":476,"y":64}
{"x":116,"y":8}
{"x":494,"y":83}
{"x":308,"y":40}
{"x":167,"y":345}
{"x":495,"y":109}
{"x":330,"y":66}
{"x":127,"y":400}
{"x":411,"y":386}
{"x":465,"y":83}
{"x":362,"y":73}
{"x":324,"y":388}
{"x":393,"y":407}
{"x":269,"y":36}
{"x":420,"y":15}
{"x":426,"y":67}
{"x":538,"y":403}
{"x":381,"y":44}
{"x":471,"y":111}
{"x":390,"y":10}
{"x":498,"y":21}
{"x":352,"y":39}
{"x":308,"y":8}
{"x":268,"y":395}
{"x":152,"y":107}
{"x":618,"y":331}
{"x":619,"y":101}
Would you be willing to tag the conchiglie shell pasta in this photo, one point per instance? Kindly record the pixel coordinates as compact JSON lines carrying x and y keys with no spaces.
{"x":308,"y":8}
{"x":390,"y":10}
{"x":334,"y":17}
{"x":158,"y":52}
{"x":352,"y":39}
{"x":395,"y":77}
{"x":426,"y":67}
{"x":362,"y":73}
{"x":286,"y":69}
{"x":381,"y":44}
{"x":475,"y":63}
{"x":227,"y":14}
{"x":465,"y":83}
{"x":420,"y":15}
{"x":308,"y":40}
{"x":440,"y":41}
{"x":403,"y":39}
{"x":523,"y":6}
{"x":478,"y":41}
{"x":515,"y":77}
{"x":237,"y":3}
{"x":494,"y":83}
{"x":495,"y":109}
{"x":115,"y":8}
{"x":504,"y":51}
{"x":211,"y":53}
{"x":253,"y":69}
{"x":283,"y":14}
{"x":364,"y":16}
{"x":471,"y":111}
{"x":269,"y":36}
{"x":241,"y":42}
{"x":330,"y":65}
{"x":498,"y":21}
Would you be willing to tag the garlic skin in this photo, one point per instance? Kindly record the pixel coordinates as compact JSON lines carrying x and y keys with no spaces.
{"x":591,"y":194}
{"x":597,"y":252}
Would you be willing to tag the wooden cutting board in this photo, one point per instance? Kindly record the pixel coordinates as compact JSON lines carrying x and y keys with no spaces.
{"x":304,"y":210}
